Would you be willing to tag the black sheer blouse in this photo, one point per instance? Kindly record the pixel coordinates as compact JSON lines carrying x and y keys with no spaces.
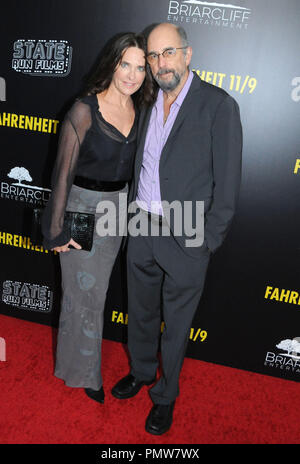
{"x":90,"y":147}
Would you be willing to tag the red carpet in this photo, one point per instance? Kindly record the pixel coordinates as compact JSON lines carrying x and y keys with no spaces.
{"x":217,"y":405}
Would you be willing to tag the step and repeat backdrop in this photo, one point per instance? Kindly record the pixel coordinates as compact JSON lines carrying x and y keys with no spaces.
{"x":249,"y":315}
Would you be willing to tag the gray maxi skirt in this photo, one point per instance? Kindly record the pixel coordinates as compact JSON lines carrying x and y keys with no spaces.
{"x":85,"y":281}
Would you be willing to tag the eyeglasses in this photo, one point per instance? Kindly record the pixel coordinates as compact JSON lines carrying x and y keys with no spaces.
{"x":168,"y":53}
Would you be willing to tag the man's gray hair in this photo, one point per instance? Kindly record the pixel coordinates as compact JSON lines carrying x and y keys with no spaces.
{"x":183,"y":37}
{"x":180,"y":31}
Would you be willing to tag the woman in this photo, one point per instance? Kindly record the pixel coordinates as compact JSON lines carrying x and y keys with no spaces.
{"x":94,"y":163}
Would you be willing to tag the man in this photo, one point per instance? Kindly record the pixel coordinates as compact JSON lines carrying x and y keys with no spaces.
{"x":189,"y":150}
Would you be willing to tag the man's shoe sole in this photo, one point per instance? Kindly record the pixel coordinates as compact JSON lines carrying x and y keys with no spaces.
{"x":154,"y":432}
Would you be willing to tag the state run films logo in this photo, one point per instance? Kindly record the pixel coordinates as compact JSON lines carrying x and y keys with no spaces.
{"x":211,"y":14}
{"x":289,"y":357}
{"x":42,"y":57}
{"x":27,"y":296}
{"x":20,"y":191}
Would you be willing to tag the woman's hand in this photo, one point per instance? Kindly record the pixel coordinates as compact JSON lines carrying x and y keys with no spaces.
{"x":65,"y":247}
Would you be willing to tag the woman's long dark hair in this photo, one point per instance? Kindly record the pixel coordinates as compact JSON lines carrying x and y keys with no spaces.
{"x":108,"y":61}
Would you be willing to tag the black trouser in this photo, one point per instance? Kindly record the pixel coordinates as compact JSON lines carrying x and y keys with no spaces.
{"x":161,"y":276}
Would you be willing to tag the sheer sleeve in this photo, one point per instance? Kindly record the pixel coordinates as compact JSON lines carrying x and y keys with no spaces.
{"x":73,"y":131}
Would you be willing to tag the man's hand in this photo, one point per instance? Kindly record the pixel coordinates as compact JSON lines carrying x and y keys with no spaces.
{"x":65,"y":247}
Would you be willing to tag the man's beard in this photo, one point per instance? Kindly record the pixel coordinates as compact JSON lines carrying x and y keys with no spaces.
{"x":168,"y":86}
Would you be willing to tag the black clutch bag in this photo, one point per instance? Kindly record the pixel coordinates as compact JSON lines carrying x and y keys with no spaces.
{"x":80,"y":226}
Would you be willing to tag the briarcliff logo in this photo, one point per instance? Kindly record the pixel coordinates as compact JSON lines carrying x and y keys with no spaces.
{"x":289,"y":361}
{"x":23,"y":192}
{"x":42,"y":57}
{"x":24,"y":295}
{"x":209,"y":14}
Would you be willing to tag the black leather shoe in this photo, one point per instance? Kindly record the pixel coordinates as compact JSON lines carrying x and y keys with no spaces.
{"x":97,"y":395}
{"x":160,"y":418}
{"x":128,"y":387}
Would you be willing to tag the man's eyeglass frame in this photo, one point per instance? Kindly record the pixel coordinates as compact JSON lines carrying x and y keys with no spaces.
{"x":152,"y":56}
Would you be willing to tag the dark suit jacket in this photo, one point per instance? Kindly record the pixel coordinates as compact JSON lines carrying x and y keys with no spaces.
{"x":201,"y":160}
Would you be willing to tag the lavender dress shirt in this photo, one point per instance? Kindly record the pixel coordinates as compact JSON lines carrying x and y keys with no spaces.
{"x":148,"y":193}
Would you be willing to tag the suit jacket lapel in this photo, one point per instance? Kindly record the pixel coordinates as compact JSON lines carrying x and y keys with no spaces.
{"x":185,"y":108}
{"x":142,"y":132}
{"x":145,"y":118}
